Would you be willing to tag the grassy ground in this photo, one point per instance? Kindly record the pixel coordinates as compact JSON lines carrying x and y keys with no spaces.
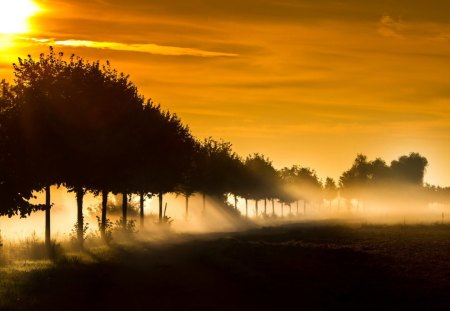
{"x":307,"y":266}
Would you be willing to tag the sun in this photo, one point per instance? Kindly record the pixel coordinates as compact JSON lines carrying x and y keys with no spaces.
{"x":15,"y":14}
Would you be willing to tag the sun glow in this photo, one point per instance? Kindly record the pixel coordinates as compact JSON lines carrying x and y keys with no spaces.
{"x":15,"y":14}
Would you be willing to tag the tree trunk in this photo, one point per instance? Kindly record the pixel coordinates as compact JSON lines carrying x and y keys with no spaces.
{"x":235,"y":202}
{"x":160,"y":198}
{"x":47,"y":217}
{"x":141,"y":209}
{"x":124,"y":210}
{"x":265,"y":207}
{"x":204,"y":203}
{"x":282,"y":209}
{"x":273,"y":207}
{"x":297,"y":207}
{"x":256,"y":208}
{"x":246,"y":208}
{"x":187,"y":206}
{"x":304,"y":207}
{"x":290,"y":209}
{"x":79,"y":192}
{"x":104,"y":208}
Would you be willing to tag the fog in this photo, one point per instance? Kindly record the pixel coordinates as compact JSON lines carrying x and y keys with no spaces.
{"x":385,"y":203}
{"x":64,"y":216}
{"x":391,"y":204}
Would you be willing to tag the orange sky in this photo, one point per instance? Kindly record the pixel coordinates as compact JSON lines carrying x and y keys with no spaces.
{"x":304,"y":82}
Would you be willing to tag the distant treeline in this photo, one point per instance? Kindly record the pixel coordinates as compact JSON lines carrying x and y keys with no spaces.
{"x":85,"y":126}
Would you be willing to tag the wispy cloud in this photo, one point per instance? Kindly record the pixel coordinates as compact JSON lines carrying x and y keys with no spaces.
{"x":390,"y":27}
{"x":145,"y":48}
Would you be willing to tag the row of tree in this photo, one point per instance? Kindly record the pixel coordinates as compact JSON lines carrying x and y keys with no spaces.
{"x":85,"y":126}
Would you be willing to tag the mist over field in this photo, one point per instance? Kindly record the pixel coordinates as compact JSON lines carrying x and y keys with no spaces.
{"x":412,"y":208}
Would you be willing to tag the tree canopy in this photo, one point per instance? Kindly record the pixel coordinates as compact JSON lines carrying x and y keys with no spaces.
{"x":301,"y":183}
{"x":375,"y":180}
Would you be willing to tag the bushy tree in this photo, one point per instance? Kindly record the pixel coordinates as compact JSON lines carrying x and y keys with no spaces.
{"x":262,"y":179}
{"x":164,"y":153}
{"x":16,"y":186}
{"x":375,"y":180}
{"x":409,"y":169}
{"x":218,"y":168}
{"x":330,"y":189}
{"x":300,"y":183}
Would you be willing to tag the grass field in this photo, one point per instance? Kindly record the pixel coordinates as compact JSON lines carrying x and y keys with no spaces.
{"x":309,"y":266}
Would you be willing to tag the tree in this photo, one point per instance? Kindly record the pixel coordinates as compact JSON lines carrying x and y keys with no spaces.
{"x":356,"y":177}
{"x":360,"y":180}
{"x":409,"y":169}
{"x":407,"y":174}
{"x":16,"y":186}
{"x":300,"y":183}
{"x":191,"y":181}
{"x":36,"y":88}
{"x":218,"y":167}
{"x":164,"y":151}
{"x":330,"y":189}
{"x":373,"y":180}
{"x":262,"y":179}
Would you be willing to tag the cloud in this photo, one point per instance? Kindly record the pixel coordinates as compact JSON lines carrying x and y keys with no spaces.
{"x":144,"y":48}
{"x":391,"y":27}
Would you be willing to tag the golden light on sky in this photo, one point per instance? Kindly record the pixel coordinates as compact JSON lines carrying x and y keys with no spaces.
{"x":15,"y":14}
{"x":308,"y":82}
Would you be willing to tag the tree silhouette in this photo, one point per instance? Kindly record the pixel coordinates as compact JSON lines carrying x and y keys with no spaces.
{"x":330,"y":189}
{"x":355,"y":181}
{"x":166,"y":153}
{"x":369,"y":180}
{"x":191,"y":179}
{"x":16,"y":185}
{"x":38,"y":90}
{"x":240,"y":181}
{"x":409,"y":169}
{"x":300,"y":183}
{"x":262,"y":179}
{"x":407,"y":174}
{"x":217,"y":169}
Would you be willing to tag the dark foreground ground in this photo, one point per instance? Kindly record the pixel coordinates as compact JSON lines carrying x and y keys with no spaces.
{"x":293,"y":267}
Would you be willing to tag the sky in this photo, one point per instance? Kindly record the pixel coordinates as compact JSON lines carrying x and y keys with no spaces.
{"x":311,"y":83}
